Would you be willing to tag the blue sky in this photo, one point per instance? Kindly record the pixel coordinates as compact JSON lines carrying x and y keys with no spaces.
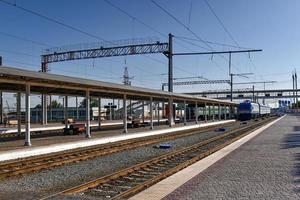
{"x":271,"y":25}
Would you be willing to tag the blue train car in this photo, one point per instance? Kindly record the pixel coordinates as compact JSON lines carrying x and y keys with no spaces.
{"x":247,"y":110}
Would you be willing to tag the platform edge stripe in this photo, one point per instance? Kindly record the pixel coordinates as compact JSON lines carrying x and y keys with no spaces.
{"x":168,"y":185}
{"x":53,"y":148}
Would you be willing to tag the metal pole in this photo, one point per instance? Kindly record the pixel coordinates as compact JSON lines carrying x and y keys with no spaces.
{"x":253,"y":93}
{"x":205,"y":110}
{"x":50,"y":107}
{"x":151,"y":113}
{"x":231,"y":87}
{"x":1,"y":108}
{"x":27,"y":116}
{"x":19,"y":113}
{"x":296,"y":80}
{"x":66,"y":111}
{"x":158,"y":118}
{"x":294,"y":91}
{"x":219,"y":111}
{"x":125,"y":114}
{"x":184,"y":119}
{"x":99,"y":113}
{"x":213,"y":115}
{"x":225,"y":109}
{"x":88,"y":114}
{"x":163,"y":110}
{"x":143,"y":110}
{"x":196,"y":112}
{"x":170,"y":58}
{"x":77,"y":109}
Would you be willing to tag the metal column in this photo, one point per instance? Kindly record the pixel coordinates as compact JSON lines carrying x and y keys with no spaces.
{"x":50,"y":108}
{"x":196,"y":112}
{"x":66,"y":111}
{"x":125,"y":114}
{"x":225,"y":109}
{"x":205,"y":111}
{"x":1,"y":108}
{"x":158,"y":118}
{"x":44,"y":109}
{"x":143,"y":114}
{"x":213,"y":115}
{"x":163,"y":110}
{"x":219,"y":111}
{"x":88,"y":114}
{"x":170,"y":59}
{"x":19,"y":113}
{"x":77,"y":111}
{"x":184,"y":118}
{"x":151,"y":113}
{"x":99,"y":113}
{"x":27,"y":116}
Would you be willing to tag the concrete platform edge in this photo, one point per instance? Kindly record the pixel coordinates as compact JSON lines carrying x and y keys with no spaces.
{"x":168,"y":185}
{"x":41,"y":150}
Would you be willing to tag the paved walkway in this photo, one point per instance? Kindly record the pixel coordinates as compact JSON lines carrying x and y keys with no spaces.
{"x":267,"y":167}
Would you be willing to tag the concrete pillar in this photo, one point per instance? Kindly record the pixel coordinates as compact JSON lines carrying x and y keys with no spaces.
{"x":151,"y":113}
{"x":66,"y":111}
{"x":205,"y":111}
{"x":27,"y":116}
{"x":99,"y":113}
{"x":88,"y":114}
{"x":213,"y":108}
{"x":196,"y":112}
{"x":184,"y":118}
{"x":219,"y":111}
{"x":171,"y":117}
{"x":19,"y":113}
{"x":125,"y":114}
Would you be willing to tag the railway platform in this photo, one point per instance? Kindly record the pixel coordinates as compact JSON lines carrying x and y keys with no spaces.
{"x":265,"y":167}
{"x":15,"y":149}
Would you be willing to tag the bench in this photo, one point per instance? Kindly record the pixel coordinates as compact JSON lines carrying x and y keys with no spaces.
{"x":12,"y":122}
{"x":75,"y":129}
{"x":136,"y":123}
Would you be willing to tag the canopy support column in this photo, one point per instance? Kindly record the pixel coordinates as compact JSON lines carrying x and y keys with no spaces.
{"x":88,"y":115}
{"x":66,"y":111}
{"x":125,"y":114}
{"x":196,"y":112}
{"x":184,"y":118}
{"x":99,"y":113}
{"x":19,"y":113}
{"x":151,"y":113}
{"x":27,"y":116}
{"x":171,"y":117}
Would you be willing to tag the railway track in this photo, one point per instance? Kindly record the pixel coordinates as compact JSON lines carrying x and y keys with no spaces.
{"x":38,"y":163}
{"x":127,"y":182}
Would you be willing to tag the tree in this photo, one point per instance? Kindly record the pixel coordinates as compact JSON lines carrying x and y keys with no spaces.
{"x":56,"y":104}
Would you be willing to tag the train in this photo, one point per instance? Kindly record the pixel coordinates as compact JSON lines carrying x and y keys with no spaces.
{"x":248,"y":110}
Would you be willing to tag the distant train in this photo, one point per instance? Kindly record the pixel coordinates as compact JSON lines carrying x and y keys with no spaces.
{"x":248,"y":110}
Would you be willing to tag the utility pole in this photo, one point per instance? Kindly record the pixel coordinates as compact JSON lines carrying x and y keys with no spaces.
{"x":231,"y":78}
{"x":170,"y":58}
{"x":296,"y":90}
{"x":294,"y":99}
{"x":253,"y":94}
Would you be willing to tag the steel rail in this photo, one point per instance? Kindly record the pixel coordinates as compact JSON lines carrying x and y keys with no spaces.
{"x":129,"y":181}
{"x":38,"y":163}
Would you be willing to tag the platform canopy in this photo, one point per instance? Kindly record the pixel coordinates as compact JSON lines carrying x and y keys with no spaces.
{"x":14,"y":80}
